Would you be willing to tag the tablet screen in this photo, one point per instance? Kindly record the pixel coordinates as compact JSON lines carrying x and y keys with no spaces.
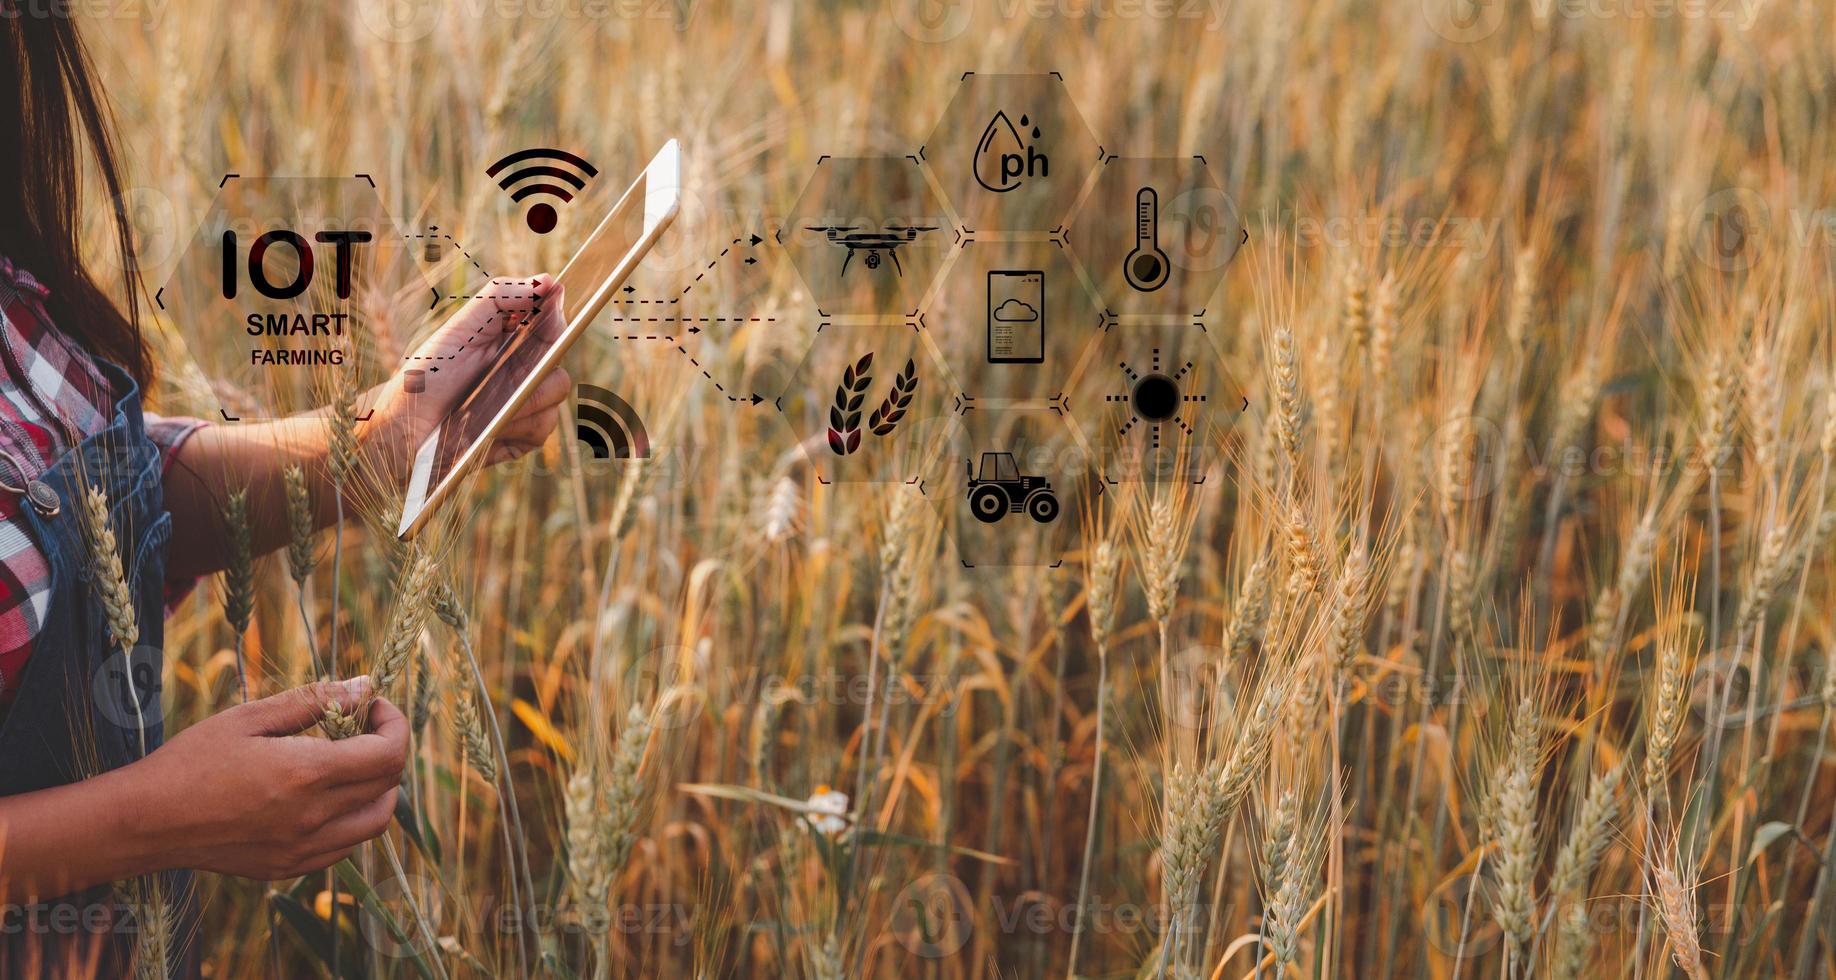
{"x":533,"y":336}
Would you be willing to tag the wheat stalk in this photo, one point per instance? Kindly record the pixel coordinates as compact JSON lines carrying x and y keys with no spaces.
{"x":783,"y":510}
{"x":300,"y":557}
{"x":1303,"y":559}
{"x":117,"y":598}
{"x":1249,"y":612}
{"x":1677,"y":909}
{"x":1514,"y":834}
{"x":1102,"y":587}
{"x":1354,"y":309}
{"x":1277,"y":852}
{"x":1350,"y":612}
{"x":239,"y":579}
{"x":479,"y":753}
{"x":1299,"y":873}
{"x":1589,"y":837}
{"x":1574,"y":942}
{"x":411,"y":608}
{"x":110,"y":580}
{"x":624,"y":790}
{"x":1287,"y":399}
{"x":1668,"y":693}
{"x":154,"y":927}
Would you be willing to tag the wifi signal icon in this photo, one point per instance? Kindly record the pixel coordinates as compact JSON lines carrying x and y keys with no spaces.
{"x":541,"y":217}
{"x":608,"y":425}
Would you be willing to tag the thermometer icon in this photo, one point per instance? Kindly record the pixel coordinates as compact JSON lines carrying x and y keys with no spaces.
{"x":1146,"y":267}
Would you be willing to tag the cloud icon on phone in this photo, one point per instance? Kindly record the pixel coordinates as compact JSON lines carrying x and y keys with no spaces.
{"x":1015,"y":311}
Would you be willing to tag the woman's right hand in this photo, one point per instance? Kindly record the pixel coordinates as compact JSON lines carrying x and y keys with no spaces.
{"x":247,"y":792}
{"x":455,"y":356}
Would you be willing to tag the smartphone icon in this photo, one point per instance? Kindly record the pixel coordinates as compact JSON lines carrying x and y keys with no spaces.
{"x":1016,"y":316}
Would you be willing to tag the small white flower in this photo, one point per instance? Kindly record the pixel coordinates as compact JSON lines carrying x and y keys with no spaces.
{"x":831,"y":806}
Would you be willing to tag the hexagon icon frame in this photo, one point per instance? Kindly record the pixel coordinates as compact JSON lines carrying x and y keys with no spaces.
{"x":1152,"y":401}
{"x":997,"y":359}
{"x":1156,"y":235}
{"x":849,"y":418}
{"x":1011,"y":152}
{"x":1042,"y":445}
{"x":862,"y":249}
{"x":280,"y":258}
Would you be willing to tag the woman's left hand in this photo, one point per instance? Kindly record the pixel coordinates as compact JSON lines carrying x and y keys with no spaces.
{"x":455,"y":356}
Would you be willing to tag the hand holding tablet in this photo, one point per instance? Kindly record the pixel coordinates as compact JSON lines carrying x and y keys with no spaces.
{"x":447,"y":366}
{"x":516,"y":333}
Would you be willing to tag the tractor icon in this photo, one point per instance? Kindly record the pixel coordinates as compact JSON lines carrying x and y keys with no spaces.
{"x":1003,"y":490}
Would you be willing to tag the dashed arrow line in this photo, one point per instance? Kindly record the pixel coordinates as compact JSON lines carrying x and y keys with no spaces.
{"x":754,"y":398}
{"x":752,"y":241}
{"x":455,"y":243}
{"x":694,"y":320}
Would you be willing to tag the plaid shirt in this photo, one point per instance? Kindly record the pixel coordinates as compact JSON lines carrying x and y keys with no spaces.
{"x":50,"y":393}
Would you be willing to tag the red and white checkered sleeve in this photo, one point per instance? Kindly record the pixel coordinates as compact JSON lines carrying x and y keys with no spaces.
{"x":169,"y":434}
{"x":25,"y":595}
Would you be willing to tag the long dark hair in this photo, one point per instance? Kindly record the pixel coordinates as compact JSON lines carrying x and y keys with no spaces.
{"x":59,"y":103}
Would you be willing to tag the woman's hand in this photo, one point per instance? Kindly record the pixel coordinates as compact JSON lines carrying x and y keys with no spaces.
{"x":451,"y":360}
{"x":244,"y":792}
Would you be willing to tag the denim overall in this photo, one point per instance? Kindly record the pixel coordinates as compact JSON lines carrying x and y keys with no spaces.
{"x":74,"y":712}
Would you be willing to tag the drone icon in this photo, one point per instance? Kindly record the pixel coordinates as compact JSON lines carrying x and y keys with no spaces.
{"x":872,"y":242}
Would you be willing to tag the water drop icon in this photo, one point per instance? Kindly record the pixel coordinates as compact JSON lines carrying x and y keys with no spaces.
{"x":999,"y":144}
{"x":1004,"y":159}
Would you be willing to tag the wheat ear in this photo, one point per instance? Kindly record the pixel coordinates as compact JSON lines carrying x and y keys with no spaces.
{"x":411,"y":608}
{"x":112,"y":588}
{"x":239,"y":578}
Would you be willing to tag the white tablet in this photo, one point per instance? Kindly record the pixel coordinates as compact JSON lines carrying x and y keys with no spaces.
{"x":595,"y":272}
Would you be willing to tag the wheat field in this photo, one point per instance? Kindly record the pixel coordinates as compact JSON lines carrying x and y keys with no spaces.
{"x":1497,"y":641}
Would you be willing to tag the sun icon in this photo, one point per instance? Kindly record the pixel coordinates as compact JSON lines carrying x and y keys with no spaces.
{"x":1155,"y":398}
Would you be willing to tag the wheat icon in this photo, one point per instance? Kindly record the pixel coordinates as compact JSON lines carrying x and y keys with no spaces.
{"x":886,"y":417}
{"x":845,"y":414}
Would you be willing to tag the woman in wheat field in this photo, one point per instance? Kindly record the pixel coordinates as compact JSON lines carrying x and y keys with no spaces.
{"x":98,"y":819}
